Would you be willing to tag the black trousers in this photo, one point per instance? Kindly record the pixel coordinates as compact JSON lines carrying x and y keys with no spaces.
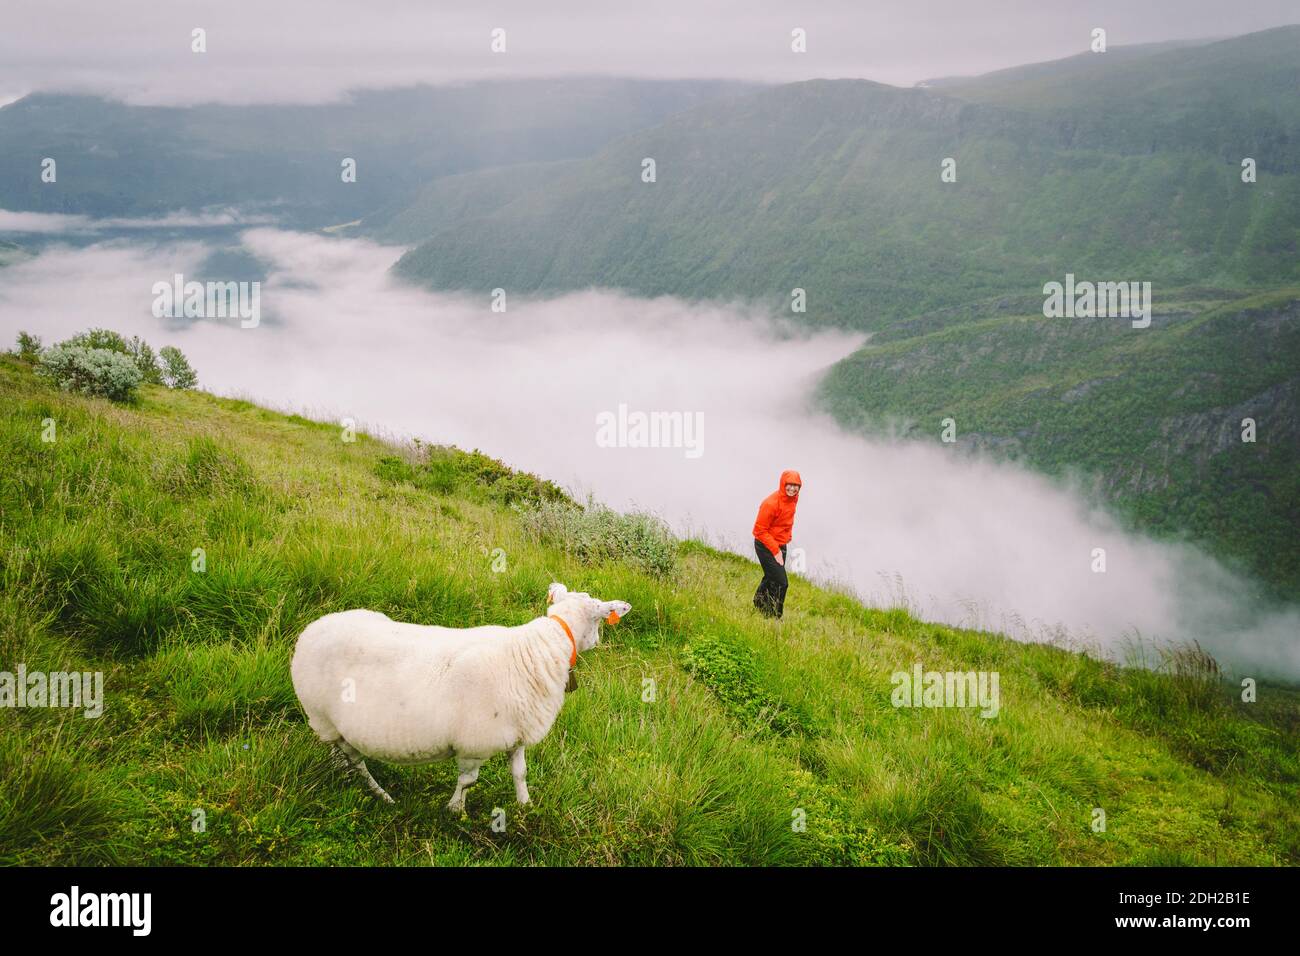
{"x":770,"y":596}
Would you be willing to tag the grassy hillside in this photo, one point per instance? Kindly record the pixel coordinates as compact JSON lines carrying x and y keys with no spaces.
{"x":751,"y":721}
{"x":1151,"y":418}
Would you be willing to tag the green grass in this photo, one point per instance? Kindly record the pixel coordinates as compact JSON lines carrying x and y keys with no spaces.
{"x":699,"y":732}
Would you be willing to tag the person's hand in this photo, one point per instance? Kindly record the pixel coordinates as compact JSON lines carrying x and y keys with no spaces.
{"x":780,"y":558}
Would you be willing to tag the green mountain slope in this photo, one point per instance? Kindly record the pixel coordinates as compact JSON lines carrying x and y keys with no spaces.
{"x":447,"y":202}
{"x":1167,"y":85}
{"x":834,"y":187}
{"x":1059,"y":75}
{"x":120,"y":160}
{"x":748,"y":726}
{"x":1151,"y":418}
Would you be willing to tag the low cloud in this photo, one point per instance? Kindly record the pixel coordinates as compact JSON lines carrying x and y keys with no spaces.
{"x":962,"y":540}
{"x":53,"y":223}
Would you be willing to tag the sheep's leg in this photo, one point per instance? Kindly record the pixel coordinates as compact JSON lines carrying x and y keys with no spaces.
{"x":341,"y":759}
{"x":353,"y":758}
{"x":519,"y":770}
{"x":468,"y":775}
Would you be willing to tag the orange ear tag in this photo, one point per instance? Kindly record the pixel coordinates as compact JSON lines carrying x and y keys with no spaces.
{"x":613,"y":618}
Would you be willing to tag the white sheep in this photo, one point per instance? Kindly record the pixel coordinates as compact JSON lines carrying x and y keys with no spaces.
{"x":410,"y":693}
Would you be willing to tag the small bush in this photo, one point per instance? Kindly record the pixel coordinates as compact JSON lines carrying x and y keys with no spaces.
{"x":91,"y":371}
{"x":391,"y":468}
{"x":444,"y":469}
{"x":176,"y":369}
{"x":504,"y":483}
{"x":99,"y":339}
{"x":29,"y":347}
{"x":440,"y":473}
{"x":598,"y":533}
{"x":146,"y":360}
{"x":436,"y":477}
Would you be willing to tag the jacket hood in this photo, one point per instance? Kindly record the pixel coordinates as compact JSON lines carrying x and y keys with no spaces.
{"x":790,"y":477}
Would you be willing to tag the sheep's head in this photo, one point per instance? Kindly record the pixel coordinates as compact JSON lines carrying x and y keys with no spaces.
{"x":583,"y":613}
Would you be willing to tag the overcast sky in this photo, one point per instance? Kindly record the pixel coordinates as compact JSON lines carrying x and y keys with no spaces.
{"x":312,"y":50}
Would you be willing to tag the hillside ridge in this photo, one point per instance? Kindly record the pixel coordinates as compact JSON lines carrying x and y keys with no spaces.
{"x":744,"y":724}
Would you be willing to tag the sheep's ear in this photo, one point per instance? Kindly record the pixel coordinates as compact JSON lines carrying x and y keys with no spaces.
{"x":555,"y":593}
{"x":611,"y":611}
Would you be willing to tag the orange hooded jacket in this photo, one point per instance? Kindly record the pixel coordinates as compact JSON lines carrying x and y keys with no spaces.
{"x":776,"y":514}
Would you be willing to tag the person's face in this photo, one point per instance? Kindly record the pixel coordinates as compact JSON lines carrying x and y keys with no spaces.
{"x":791,"y":489}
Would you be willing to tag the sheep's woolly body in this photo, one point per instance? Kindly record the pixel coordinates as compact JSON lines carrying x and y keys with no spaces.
{"x":385,"y":686}
{"x":409,"y":693}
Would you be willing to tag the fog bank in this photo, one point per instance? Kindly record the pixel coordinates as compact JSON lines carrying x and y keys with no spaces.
{"x":961,"y":540}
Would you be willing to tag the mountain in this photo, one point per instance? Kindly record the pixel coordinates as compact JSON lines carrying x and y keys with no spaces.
{"x":1063,"y":73}
{"x":1122,"y":166}
{"x":116,"y":160}
{"x":749,"y":723}
{"x":1151,"y":420}
{"x":446,"y":202}
{"x":1164,"y":83}
{"x":834,"y":187}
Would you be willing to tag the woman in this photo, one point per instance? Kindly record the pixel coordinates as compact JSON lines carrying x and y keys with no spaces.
{"x":771,"y":535}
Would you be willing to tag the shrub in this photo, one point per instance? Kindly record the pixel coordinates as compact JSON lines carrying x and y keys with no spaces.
{"x":29,"y":347}
{"x":506,"y":484}
{"x":174,"y":371}
{"x":394,"y":469}
{"x":99,"y":339}
{"x":91,"y":371}
{"x":440,"y":473}
{"x":444,"y":469}
{"x":145,"y":360}
{"x":177,"y":371}
{"x":599,"y":533}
